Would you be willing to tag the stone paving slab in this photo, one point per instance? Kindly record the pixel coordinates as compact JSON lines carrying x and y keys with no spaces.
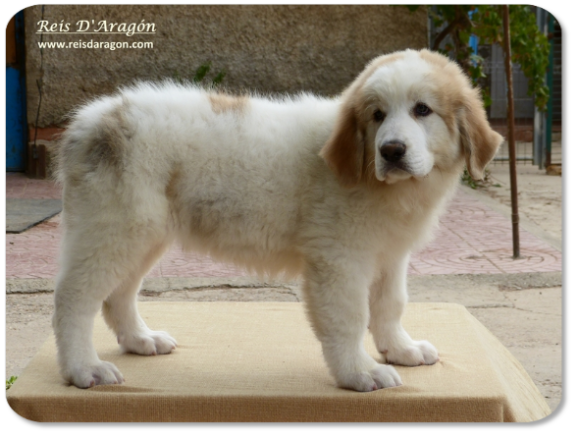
{"x":22,"y":214}
{"x":472,"y":238}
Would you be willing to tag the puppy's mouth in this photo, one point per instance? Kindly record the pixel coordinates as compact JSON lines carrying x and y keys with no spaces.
{"x":391,"y":172}
{"x":395,"y":166}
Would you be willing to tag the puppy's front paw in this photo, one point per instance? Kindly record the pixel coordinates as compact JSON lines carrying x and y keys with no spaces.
{"x":147,"y":342}
{"x":89,"y":375}
{"x":415,"y":353}
{"x":381,"y":376}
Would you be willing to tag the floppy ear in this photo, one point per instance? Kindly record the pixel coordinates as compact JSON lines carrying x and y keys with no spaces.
{"x":480,"y":143}
{"x":343,"y":152}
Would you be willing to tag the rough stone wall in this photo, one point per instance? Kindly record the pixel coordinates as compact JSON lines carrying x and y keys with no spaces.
{"x":268,"y":49}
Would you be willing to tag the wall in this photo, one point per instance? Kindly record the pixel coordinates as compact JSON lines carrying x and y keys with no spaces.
{"x":275,"y":49}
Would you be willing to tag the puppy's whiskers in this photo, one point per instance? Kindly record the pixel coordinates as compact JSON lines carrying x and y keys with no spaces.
{"x":369,"y":165}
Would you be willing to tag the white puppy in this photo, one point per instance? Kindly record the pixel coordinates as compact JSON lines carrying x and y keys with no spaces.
{"x":337,"y":190}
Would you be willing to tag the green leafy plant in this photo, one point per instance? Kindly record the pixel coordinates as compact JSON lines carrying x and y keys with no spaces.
{"x":10,"y":381}
{"x":472,"y":183}
{"x":467,"y":180}
{"x":530,"y":47}
{"x":200,"y":76}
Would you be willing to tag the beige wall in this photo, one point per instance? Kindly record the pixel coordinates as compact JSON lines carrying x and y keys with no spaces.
{"x":263,"y":48}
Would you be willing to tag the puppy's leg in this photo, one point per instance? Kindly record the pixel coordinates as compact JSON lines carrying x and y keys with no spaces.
{"x":387,"y":301}
{"x":97,"y":258}
{"x":83,"y":283}
{"x":336,"y":297}
{"x":121,"y":314}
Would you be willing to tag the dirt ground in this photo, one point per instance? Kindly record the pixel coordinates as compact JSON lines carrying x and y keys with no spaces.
{"x":539,"y":196}
{"x":523,"y":310}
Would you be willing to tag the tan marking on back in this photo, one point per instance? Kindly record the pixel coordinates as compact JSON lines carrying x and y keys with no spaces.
{"x":221,"y":103}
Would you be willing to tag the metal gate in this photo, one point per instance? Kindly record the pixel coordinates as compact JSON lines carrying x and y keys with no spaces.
{"x":537,"y":134}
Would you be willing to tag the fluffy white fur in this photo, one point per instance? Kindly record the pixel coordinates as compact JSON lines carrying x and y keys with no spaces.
{"x":278,"y":185}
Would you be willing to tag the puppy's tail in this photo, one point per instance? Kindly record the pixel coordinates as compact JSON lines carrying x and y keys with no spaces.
{"x":95,"y":141}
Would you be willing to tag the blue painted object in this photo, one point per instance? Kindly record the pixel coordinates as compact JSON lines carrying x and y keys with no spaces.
{"x":474,"y":43}
{"x":473,"y":38}
{"x":15,"y":134}
{"x":16,"y":108}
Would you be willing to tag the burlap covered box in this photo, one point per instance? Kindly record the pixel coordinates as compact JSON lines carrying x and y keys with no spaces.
{"x":261,"y":362}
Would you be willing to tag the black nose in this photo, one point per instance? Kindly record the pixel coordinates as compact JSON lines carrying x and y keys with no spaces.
{"x":392,"y":151}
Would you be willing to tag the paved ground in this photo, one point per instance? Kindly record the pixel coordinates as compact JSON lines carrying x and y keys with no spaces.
{"x":469,"y":262}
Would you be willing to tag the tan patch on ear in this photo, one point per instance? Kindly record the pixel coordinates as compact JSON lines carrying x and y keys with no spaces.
{"x":222,"y":103}
{"x":344,"y":150}
{"x":479,"y":141}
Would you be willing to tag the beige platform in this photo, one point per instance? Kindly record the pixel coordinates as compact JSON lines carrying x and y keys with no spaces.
{"x":260,"y":362}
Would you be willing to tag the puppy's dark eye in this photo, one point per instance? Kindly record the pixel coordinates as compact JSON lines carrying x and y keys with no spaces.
{"x":421,"y":110}
{"x":378,"y":115}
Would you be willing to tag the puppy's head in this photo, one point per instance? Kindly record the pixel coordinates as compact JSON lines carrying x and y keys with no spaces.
{"x":405,"y":114}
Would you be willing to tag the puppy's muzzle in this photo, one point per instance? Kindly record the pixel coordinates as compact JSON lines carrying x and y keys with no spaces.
{"x":392,"y":151}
